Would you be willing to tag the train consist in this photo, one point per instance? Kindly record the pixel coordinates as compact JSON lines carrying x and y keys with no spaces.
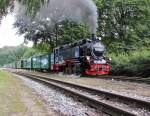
{"x":84,"y":57}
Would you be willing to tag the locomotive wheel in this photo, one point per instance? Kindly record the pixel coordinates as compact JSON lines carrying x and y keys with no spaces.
{"x":74,"y":69}
{"x":77,"y":69}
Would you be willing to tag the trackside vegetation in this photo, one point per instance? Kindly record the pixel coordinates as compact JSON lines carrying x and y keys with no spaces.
{"x":9,"y":95}
{"x":17,"y":99}
{"x":135,"y":63}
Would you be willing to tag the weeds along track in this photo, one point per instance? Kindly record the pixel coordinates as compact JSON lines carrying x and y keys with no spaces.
{"x":105,"y":102}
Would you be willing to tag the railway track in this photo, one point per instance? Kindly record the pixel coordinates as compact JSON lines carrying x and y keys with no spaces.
{"x":108,"y":103}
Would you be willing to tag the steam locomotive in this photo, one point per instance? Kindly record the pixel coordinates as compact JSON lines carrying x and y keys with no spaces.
{"x":84,"y":57}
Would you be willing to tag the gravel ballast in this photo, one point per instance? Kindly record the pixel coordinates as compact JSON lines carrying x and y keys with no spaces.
{"x":59,"y":101}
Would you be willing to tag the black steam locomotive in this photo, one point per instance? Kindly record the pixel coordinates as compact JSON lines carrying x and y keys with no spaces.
{"x":85,"y":56}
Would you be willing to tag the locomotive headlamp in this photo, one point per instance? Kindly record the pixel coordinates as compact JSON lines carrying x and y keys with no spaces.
{"x":109,"y":60}
{"x":88,"y":57}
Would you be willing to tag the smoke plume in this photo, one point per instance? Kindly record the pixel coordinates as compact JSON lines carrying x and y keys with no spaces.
{"x":80,"y":11}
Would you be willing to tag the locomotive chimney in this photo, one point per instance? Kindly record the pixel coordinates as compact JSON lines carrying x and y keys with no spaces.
{"x":93,"y":36}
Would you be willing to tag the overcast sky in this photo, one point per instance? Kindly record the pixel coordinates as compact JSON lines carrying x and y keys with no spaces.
{"x":8,"y":36}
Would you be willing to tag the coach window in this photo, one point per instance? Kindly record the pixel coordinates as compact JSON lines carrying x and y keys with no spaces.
{"x":76,"y":51}
{"x":57,"y":52}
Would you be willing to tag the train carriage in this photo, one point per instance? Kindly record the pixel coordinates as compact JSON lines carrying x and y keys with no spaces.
{"x":19,"y":64}
{"x":24,"y":63}
{"x":27,"y":63}
{"x":45,"y":62}
{"x":9,"y":65}
{"x":36,"y":63}
{"x":14,"y":65}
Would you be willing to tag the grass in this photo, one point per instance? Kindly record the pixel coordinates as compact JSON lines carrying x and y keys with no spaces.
{"x":10,"y":101}
{"x":16,"y":98}
{"x":3,"y":80}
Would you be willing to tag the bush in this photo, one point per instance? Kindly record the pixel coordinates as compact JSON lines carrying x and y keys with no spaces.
{"x":136,"y":63}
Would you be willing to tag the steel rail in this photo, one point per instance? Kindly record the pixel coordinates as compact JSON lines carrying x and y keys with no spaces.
{"x":104,"y":107}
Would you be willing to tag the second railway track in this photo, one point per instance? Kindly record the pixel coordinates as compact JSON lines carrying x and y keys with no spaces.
{"x":109,"y":103}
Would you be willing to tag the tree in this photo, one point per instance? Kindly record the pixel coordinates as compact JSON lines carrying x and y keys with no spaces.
{"x":124,"y":24}
{"x":5,"y":7}
{"x":30,"y":52}
{"x":11,"y":54}
{"x":44,"y":34}
{"x":32,"y":6}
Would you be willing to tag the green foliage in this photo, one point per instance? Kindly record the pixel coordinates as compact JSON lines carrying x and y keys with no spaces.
{"x":43,"y":48}
{"x":136,"y":63}
{"x":5,"y":7}
{"x":10,"y":54}
{"x":33,"y":6}
{"x":124,"y":24}
{"x":32,"y":52}
{"x":70,"y":32}
{"x":4,"y":4}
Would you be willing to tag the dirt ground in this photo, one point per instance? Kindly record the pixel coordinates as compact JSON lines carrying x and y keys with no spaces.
{"x":17,"y":99}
